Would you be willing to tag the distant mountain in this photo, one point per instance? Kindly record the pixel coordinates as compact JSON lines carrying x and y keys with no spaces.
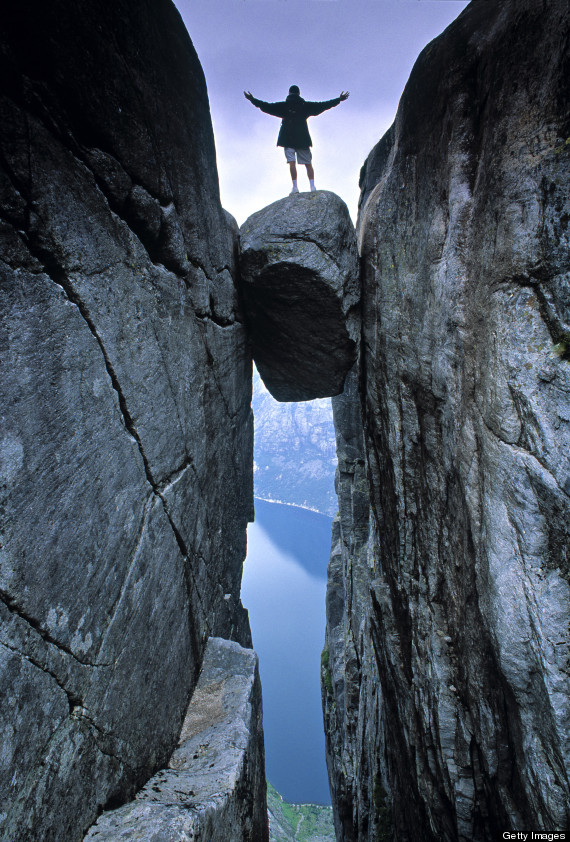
{"x":295,"y":452}
{"x":298,"y":822}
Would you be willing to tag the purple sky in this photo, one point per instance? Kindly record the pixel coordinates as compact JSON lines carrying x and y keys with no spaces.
{"x":365,"y":46}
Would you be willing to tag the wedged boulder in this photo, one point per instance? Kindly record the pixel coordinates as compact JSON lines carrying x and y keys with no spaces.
{"x":214,"y":785}
{"x":299,"y":281}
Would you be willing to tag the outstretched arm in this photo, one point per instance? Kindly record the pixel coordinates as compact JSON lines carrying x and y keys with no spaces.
{"x":276,"y":109}
{"x":315,"y":108}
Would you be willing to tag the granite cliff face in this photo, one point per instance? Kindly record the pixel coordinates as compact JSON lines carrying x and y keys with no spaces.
{"x":126,"y":438}
{"x":349,"y":680}
{"x":446,"y":675}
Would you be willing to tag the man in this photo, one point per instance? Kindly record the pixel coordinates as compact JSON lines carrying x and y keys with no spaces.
{"x":294,"y":134}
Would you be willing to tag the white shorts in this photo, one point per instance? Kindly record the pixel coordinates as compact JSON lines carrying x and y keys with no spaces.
{"x":303,"y":155}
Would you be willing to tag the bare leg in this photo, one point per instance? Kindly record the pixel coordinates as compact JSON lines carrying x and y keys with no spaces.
{"x":311,"y":174}
{"x":293,"y":168}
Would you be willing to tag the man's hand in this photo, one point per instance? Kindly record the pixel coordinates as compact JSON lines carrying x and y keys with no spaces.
{"x":248,"y":95}
{"x":344,"y":95}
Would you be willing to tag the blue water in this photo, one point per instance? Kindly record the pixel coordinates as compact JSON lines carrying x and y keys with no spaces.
{"x":284,"y":590}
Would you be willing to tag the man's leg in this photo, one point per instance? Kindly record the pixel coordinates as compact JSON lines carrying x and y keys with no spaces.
{"x":290,"y":158}
{"x":293,"y":168}
{"x":311,"y":174}
{"x":305,"y":157}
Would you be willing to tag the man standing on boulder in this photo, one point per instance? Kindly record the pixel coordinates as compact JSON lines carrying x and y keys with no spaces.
{"x":294,"y":134}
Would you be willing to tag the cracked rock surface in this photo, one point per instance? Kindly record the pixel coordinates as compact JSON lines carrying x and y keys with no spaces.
{"x":213,"y":787}
{"x":126,"y":430}
{"x":299,"y":281}
{"x":448,"y":683}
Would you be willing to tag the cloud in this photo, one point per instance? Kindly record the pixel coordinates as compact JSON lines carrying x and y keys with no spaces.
{"x":252,"y":170}
{"x":365,"y":46}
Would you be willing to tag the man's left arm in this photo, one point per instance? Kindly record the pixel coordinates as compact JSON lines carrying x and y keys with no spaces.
{"x":315,"y":108}
{"x":276,"y":109}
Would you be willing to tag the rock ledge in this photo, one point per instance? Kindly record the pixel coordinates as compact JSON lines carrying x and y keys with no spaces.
{"x":214,"y":785}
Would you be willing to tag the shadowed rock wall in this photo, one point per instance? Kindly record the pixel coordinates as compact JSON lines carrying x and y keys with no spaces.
{"x":350,"y":712}
{"x":452,"y":686}
{"x":126,"y":431}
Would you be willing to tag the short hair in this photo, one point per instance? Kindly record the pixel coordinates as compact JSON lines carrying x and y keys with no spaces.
{"x":294,"y":89}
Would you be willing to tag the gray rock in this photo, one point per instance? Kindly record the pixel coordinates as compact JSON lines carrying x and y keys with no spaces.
{"x":299,"y":281}
{"x":126,"y":429}
{"x":460,"y":728}
{"x":214,"y":784}
{"x":350,"y":720}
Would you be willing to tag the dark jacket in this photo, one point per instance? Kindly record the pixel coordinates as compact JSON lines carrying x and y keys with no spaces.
{"x":294,"y":111}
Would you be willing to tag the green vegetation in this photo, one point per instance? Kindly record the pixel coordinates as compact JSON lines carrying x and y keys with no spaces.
{"x":326,"y":670}
{"x":565,"y":147}
{"x":562,"y":349}
{"x":298,"y":822}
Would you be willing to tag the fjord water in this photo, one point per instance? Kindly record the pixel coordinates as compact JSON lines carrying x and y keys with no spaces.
{"x":283,"y":588}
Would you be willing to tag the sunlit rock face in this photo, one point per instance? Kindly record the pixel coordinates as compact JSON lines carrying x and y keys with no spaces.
{"x":126,"y":434}
{"x":299,"y":281}
{"x":448,"y":631}
{"x":214,"y":785}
